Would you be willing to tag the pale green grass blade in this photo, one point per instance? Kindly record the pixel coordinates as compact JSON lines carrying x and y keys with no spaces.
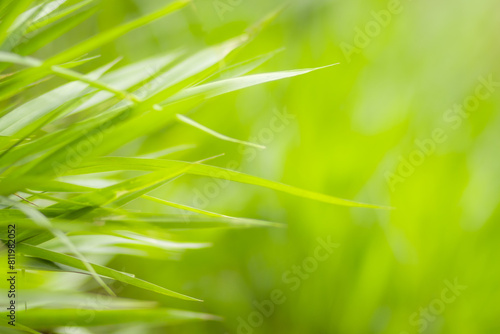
{"x":37,"y":124}
{"x":22,"y":116}
{"x":123,"y":192}
{"x":46,"y":319}
{"x":131,"y":75}
{"x":216,"y":134}
{"x":67,"y":74}
{"x":9,"y":57}
{"x":62,"y":13}
{"x":36,"y":13}
{"x":19,"y":82}
{"x":216,"y":88}
{"x":184,"y":207}
{"x":119,"y":163}
{"x":14,"y":9}
{"x":242,"y":68}
{"x":112,"y":34}
{"x":101,"y":270}
{"x":193,"y":66}
{"x":53,"y":32}
{"x":45,"y":223}
{"x":59,"y":186}
{"x":26,"y":329}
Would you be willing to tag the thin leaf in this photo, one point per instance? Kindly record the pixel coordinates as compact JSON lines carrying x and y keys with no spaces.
{"x":101,"y":270}
{"x":119,"y":163}
{"x":203,"y":128}
{"x":50,"y":318}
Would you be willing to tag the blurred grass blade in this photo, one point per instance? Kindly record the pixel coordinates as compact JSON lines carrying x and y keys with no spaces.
{"x":13,"y":10}
{"x":23,"y":115}
{"x":53,"y":32}
{"x":67,"y":74}
{"x":119,"y":163}
{"x":63,"y":13}
{"x":216,"y":88}
{"x":18,"y":83}
{"x":203,"y":128}
{"x":112,"y":34}
{"x":101,"y":270}
{"x":46,"y":319}
{"x":184,"y":207}
{"x":43,"y":222}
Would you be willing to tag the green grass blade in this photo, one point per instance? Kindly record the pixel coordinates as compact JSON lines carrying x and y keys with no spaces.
{"x":112,"y":34}
{"x":63,"y":13}
{"x":19,"y":82}
{"x":216,"y":88}
{"x":189,"y":121}
{"x":184,"y":207}
{"x":14,"y":9}
{"x":46,"y":318}
{"x":101,"y":270}
{"x":53,"y":32}
{"x":119,"y":163}
{"x":45,"y":223}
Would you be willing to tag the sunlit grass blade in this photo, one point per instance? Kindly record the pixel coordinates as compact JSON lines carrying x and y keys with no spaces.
{"x":45,"y":223}
{"x":101,"y":270}
{"x":183,"y":207}
{"x":62,"y":13}
{"x":8,"y":328}
{"x":52,"y":32}
{"x":67,"y":74}
{"x":216,"y":88}
{"x":23,"y":115}
{"x":45,"y":319}
{"x":110,"y":35}
{"x":128,"y":190}
{"x":205,"y":129}
{"x":120,"y":163}
{"x":13,"y":10}
{"x":18,"y":82}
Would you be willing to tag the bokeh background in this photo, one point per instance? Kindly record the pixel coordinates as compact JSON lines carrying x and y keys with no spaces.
{"x":407,"y":118}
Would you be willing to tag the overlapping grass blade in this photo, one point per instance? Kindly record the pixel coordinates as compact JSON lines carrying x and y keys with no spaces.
{"x":18,"y":82}
{"x":101,"y":270}
{"x":216,"y":134}
{"x":46,"y":319}
{"x":37,"y":217}
{"x":120,"y":163}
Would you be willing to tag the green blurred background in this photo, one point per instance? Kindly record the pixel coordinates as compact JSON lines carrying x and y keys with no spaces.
{"x":382,"y":127}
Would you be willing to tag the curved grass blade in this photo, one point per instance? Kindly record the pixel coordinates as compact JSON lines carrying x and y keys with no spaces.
{"x":120,"y":163}
{"x":101,"y":270}
{"x":205,"y":129}
{"x":18,"y":82}
{"x":23,"y":115}
{"x":42,"y":38}
{"x":184,"y":207}
{"x":48,"y":19}
{"x":67,"y":74}
{"x":47,"y":319}
{"x":220,"y":87}
{"x":13,"y":10}
{"x":37,"y":217}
